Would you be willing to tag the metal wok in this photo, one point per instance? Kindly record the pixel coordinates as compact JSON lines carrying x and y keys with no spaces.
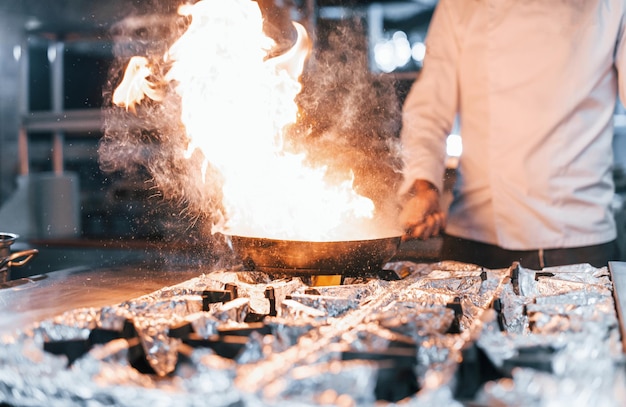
{"x":351,"y":257}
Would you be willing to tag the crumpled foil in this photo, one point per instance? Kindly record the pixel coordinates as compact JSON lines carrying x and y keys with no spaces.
{"x":294,"y":365}
{"x":460,"y":284}
{"x":353,"y":292}
{"x":438,"y":357}
{"x":349,"y":383}
{"x":296,"y":310}
{"x":528,"y":387}
{"x":204,"y":324}
{"x":514,"y":317}
{"x":568,"y":310}
{"x":161,"y":350}
{"x":75,"y":324}
{"x":174,"y":306}
{"x":431,"y":397}
{"x":416,"y":321}
{"x":426,"y":296}
{"x":256,"y":293}
{"x":550,"y":318}
{"x":287,"y":331}
{"x":113,"y":317}
{"x":373,"y":337}
{"x":235,"y":310}
{"x":253,"y":350}
{"x":331,"y":306}
{"x":31,"y":377}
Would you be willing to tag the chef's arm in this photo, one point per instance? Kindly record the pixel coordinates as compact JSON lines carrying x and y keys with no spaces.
{"x":428,"y":115}
{"x":422,"y":216}
{"x":431,"y":105}
{"x":620,"y":63}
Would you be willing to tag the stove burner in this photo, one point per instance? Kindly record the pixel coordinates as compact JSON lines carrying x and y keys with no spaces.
{"x":227,"y":336}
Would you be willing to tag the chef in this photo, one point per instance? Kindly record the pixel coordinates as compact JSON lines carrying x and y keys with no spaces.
{"x":533,"y":85}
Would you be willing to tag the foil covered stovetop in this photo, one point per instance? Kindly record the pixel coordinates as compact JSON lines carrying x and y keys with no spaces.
{"x":442,"y":335}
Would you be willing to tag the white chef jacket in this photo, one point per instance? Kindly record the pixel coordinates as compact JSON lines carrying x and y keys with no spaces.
{"x":534,"y":83}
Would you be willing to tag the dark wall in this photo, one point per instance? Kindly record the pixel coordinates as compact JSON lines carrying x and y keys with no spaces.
{"x":9,"y":115}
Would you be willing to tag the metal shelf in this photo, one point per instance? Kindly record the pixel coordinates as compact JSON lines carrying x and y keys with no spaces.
{"x":58,"y":120}
{"x":70,"y":121}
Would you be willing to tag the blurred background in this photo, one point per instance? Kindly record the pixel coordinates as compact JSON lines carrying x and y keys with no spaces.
{"x":55,"y":58}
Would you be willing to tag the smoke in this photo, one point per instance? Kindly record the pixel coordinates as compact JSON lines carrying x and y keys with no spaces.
{"x":350,"y":117}
{"x":349,"y":120}
{"x":147,"y":145}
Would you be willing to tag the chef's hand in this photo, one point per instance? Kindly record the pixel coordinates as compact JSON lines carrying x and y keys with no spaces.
{"x":421,"y":215}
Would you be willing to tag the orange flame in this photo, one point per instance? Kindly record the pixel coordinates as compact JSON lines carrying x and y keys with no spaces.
{"x":235,"y":105}
{"x":135,"y":85}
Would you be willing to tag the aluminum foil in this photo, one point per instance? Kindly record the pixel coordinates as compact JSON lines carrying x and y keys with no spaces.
{"x":531,"y":388}
{"x":235,"y":310}
{"x":314,"y":345}
{"x":296,"y":310}
{"x":205,"y":324}
{"x":31,"y":377}
{"x":416,"y":321}
{"x":514,"y":317}
{"x":353,"y":292}
{"x":436,"y":355}
{"x":349,"y":383}
{"x":569,"y":313}
{"x":113,"y":317}
{"x":373,"y":337}
{"x":253,"y":351}
{"x":161,"y":350}
{"x":74,"y":324}
{"x":430,"y":397}
{"x":331,"y":306}
{"x":571,"y":317}
{"x":295,"y":365}
{"x":287,"y":331}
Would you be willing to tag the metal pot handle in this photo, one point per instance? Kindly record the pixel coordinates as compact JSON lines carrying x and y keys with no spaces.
{"x":10,"y":260}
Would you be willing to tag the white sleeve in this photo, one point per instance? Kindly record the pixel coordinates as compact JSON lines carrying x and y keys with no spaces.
{"x":620,"y":62}
{"x":431,"y":105}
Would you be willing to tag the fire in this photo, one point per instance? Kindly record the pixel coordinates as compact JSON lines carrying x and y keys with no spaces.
{"x":135,"y":85}
{"x":236,"y":103}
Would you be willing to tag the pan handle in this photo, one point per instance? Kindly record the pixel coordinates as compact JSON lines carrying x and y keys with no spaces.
{"x":12,"y":259}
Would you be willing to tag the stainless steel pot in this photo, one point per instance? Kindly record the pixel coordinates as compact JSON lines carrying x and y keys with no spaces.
{"x":15,"y":259}
{"x":352,"y":257}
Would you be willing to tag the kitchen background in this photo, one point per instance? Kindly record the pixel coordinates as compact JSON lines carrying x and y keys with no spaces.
{"x":55,"y":58}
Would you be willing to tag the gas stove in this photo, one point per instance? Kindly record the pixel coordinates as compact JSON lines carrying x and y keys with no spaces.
{"x":433,"y":334}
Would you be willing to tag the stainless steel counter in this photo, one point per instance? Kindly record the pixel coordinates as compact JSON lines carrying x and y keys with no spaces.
{"x":63,"y":277}
{"x":618,"y":276}
{"x":33,"y":299}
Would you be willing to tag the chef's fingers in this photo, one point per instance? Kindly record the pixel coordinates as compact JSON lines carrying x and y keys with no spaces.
{"x":430,"y":226}
{"x":416,"y":229}
{"x":416,"y":209}
{"x":414,"y":232}
{"x":444,"y":220}
{"x":438,"y":221}
{"x":419,"y":230}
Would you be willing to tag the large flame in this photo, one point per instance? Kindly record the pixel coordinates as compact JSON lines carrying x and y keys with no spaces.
{"x":236,"y":103}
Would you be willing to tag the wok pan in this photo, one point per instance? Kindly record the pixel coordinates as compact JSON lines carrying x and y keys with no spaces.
{"x":351,"y":257}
